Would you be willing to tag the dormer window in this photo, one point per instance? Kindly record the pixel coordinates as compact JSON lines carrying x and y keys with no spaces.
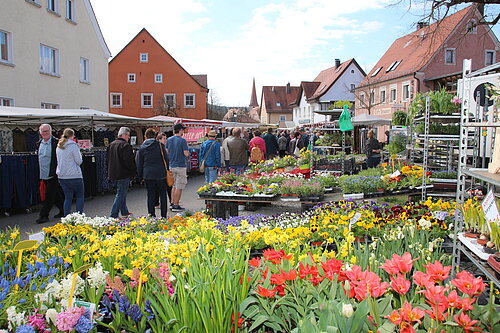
{"x":376,"y":71}
{"x":278,"y":104}
{"x":393,"y":66}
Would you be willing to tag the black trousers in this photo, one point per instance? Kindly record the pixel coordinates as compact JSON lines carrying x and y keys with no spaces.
{"x":53,"y":196}
{"x":155,"y":188}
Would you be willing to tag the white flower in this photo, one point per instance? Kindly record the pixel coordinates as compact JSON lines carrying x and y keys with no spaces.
{"x":347,"y":310}
{"x":96,"y":276}
{"x":66,"y":286}
{"x":171,"y":278}
{"x":424,"y":224}
{"x":15,"y":319}
{"x":51,"y":316}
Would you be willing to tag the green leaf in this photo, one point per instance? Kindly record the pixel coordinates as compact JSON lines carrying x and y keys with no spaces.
{"x":451,"y":323}
{"x":384,"y":306}
{"x":259,"y":320}
{"x":247,"y":302}
{"x":387,"y":327}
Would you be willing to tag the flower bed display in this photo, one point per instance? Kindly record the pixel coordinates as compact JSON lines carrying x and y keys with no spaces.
{"x":349,"y":266}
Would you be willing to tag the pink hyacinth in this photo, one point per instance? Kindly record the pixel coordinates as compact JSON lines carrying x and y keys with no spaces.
{"x":37,"y":321}
{"x":67,"y":320}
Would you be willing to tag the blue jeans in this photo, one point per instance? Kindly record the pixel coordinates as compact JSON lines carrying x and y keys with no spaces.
{"x":210,"y":174}
{"x":237,"y":169}
{"x":120,"y":203}
{"x":72,"y":188}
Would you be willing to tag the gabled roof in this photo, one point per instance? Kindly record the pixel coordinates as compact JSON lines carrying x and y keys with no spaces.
{"x":97,"y":29}
{"x":412,"y":52}
{"x":329,"y":76}
{"x":202,"y":79}
{"x":306,"y":87}
{"x":154,"y":40}
{"x":277,"y":99}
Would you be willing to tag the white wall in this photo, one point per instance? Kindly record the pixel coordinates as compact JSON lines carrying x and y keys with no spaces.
{"x":31,"y":25}
{"x":340,"y":91}
{"x":302,"y":115}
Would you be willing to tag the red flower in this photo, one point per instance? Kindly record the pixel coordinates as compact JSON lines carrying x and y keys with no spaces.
{"x":290,"y":276}
{"x":400,"y":284}
{"x":307,"y":270}
{"x":275,"y":256}
{"x":437,"y":272}
{"x":421,"y":279}
{"x":466,"y":283}
{"x":466,"y":323}
{"x":265,"y":292}
{"x":255,"y":262}
{"x":240,"y":320}
{"x":435,"y":295}
{"x":399,"y":264}
{"x":333,"y":267}
{"x":278,"y":279}
{"x":316,"y":279}
{"x":395,"y":317}
{"x":410,"y":314}
{"x":280,"y":290}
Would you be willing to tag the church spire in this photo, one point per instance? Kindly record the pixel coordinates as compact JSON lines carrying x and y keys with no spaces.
{"x":253,"y":98}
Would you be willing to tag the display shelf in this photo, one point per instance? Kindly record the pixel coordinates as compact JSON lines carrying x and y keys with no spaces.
{"x":483,"y":174}
{"x":439,"y":137}
{"x":481,"y":124}
{"x":482,"y":266}
{"x":450,"y":117}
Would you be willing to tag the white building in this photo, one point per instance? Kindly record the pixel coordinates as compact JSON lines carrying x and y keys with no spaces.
{"x":333,"y":84}
{"x":52,"y":55}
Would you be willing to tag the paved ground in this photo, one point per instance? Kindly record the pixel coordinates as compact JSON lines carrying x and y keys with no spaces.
{"x":136,"y":202}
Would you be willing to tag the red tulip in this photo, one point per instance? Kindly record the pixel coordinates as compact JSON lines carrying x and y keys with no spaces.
{"x":278,"y":279}
{"x":410,"y":314}
{"x":290,"y":276}
{"x":400,"y":284}
{"x":466,"y":283}
{"x":399,"y":264}
{"x":255,"y":262}
{"x":265,"y":292}
{"x":421,"y":279}
{"x":466,"y":323}
{"x":437,"y":271}
{"x":395,"y":317}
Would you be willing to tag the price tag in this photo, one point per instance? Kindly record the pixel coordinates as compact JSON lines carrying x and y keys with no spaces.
{"x":440,"y":215}
{"x":354,"y":219}
{"x":396,"y":174}
{"x":90,"y":306}
{"x":39,"y":236}
{"x":490,"y":208}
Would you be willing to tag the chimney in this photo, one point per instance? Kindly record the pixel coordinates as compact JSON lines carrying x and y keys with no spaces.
{"x":288,"y":90}
{"x":337,"y":63}
{"x":421,"y":25}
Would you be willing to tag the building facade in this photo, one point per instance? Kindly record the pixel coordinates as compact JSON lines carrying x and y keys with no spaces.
{"x":275,"y":104}
{"x":429,"y":58}
{"x":336,"y":83}
{"x":146,"y":81}
{"x":52,"y":55}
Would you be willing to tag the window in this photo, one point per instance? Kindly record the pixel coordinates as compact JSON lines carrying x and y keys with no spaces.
{"x":158,"y":78}
{"x":131,"y":77}
{"x":4,"y":101}
{"x":278,"y":104}
{"x":449,"y":56}
{"x":146,"y":100}
{"x":115,"y":100}
{"x":393,"y":95}
{"x":49,"y":60}
{"x":372,"y":97}
{"x":382,"y":96}
{"x":52,"y":6}
{"x":471,"y":27}
{"x":143,"y":57}
{"x":353,"y":86}
{"x":70,"y":10}
{"x":169,"y":100}
{"x":362,"y":98}
{"x":34,"y":2}
{"x":406,"y":92}
{"x":376,"y":71}
{"x":189,"y":101}
{"x":393,"y":66}
{"x":5,"y":47}
{"x":489,"y":57}
{"x":282,"y":117}
{"x":84,"y":70}
{"x":49,"y":105}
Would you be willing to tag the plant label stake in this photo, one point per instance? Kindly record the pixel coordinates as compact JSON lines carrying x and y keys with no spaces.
{"x":20,"y":247}
{"x":140,"y":283}
{"x":73,"y":282}
{"x":354,"y":219}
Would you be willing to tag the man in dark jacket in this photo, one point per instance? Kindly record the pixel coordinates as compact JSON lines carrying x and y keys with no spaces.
{"x":121,"y":167}
{"x":48,"y":163}
{"x":151,"y":163}
{"x":272,"y":146}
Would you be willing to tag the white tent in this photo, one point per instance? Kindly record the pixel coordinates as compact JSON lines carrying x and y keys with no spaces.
{"x":70,"y":117}
{"x":366,"y":119}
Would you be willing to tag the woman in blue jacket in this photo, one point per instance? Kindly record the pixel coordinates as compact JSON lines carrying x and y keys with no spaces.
{"x":210,"y":153}
{"x":69,"y":172}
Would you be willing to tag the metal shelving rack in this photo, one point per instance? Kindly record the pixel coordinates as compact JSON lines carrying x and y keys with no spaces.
{"x":464,"y":171}
{"x":343,"y":147}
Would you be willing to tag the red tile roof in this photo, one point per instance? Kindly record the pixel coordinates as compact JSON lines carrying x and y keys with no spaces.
{"x":412,"y":52}
{"x":308,"y":88}
{"x":277,"y":99}
{"x":328,"y":77}
{"x":201,"y":79}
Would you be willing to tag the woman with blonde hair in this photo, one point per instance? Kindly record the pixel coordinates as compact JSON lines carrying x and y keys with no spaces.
{"x":69,"y":172}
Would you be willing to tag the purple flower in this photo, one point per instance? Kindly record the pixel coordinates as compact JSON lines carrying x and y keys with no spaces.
{"x":25,"y":329}
{"x":84,"y":325}
{"x":135,"y":313}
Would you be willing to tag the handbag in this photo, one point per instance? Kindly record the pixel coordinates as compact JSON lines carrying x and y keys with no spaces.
{"x":168,"y":173}
{"x":202,"y":164}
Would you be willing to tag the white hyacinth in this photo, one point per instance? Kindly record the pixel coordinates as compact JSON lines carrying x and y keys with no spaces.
{"x":96,"y":276}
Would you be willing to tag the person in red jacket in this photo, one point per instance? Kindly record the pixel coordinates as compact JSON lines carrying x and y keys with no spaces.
{"x":260,"y":143}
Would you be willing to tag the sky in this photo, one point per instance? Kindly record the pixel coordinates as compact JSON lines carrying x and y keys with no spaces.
{"x":274,"y":41}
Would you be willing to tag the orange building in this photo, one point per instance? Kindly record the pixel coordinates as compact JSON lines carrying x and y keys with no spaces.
{"x":146,"y":81}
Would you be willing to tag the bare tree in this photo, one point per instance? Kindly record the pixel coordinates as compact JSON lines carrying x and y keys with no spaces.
{"x":365,"y":98}
{"x":441,"y":8}
{"x":213,"y":103}
{"x":167,"y":107}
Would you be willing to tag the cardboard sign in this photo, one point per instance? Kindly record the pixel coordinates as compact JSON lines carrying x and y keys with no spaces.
{"x":193,"y":134}
{"x":490,"y":208}
{"x":84,"y":144}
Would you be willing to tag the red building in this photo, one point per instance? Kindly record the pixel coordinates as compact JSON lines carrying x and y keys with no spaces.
{"x":146,"y":81}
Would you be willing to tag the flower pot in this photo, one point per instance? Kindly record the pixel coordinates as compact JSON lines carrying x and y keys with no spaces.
{"x":471,"y":235}
{"x":354,"y":196}
{"x":482,"y":241}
